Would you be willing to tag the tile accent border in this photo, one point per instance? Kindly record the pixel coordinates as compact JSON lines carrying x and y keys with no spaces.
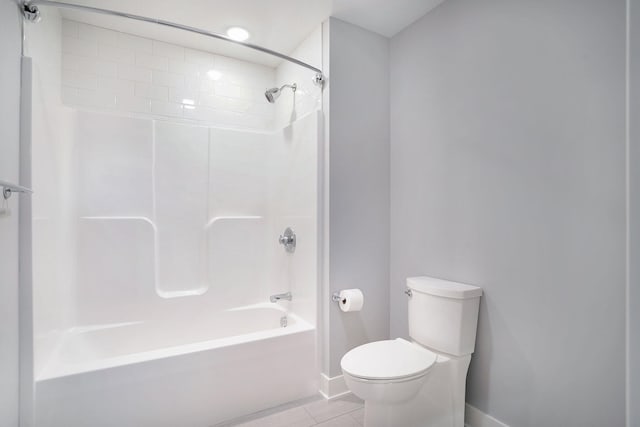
{"x":474,"y":417}
{"x":333,"y":388}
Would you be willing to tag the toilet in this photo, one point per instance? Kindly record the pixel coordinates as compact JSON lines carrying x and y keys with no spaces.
{"x":419,"y":383}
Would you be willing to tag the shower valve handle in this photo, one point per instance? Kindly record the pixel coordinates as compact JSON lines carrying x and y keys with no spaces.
{"x":288,"y":240}
{"x":285,"y":240}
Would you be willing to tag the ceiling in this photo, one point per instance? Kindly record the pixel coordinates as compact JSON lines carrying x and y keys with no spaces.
{"x":279,"y":25}
{"x":386,"y":17}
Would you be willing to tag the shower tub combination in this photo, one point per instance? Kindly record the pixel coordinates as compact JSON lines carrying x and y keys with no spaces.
{"x":155,"y":246}
{"x":172,"y":321}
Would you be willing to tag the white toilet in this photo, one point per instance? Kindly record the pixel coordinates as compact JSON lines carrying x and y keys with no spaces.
{"x":419,"y":383}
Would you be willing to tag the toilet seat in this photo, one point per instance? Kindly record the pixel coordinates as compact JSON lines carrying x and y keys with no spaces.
{"x":389,"y":360}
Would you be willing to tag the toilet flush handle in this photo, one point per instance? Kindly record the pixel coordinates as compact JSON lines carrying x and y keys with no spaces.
{"x":408,"y":292}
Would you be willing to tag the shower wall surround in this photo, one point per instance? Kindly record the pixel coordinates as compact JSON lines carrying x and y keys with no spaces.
{"x":180,"y":208}
{"x":110,"y":70}
{"x":167,"y":210}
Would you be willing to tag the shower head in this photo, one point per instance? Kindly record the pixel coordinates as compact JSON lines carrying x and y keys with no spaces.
{"x":273,"y":93}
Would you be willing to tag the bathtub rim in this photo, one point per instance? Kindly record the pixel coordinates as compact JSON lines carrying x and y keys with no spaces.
{"x":52,"y":370}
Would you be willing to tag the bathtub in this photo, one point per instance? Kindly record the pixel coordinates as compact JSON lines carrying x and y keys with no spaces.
{"x":167,"y":373}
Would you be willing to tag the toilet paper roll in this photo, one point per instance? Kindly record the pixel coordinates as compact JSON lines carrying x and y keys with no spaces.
{"x":351,"y":300}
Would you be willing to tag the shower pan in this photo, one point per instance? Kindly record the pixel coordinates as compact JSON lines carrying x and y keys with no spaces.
{"x":161,"y":188}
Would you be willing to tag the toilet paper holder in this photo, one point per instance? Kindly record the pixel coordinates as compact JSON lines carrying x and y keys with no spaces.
{"x":349,"y":300}
{"x":335,"y":297}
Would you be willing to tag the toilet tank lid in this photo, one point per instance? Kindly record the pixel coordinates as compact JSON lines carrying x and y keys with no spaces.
{"x":443,"y":288}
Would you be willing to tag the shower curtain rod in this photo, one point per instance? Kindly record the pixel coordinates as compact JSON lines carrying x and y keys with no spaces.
{"x":32,"y":13}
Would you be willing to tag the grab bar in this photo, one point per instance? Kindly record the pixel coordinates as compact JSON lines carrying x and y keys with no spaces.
{"x":9,"y":188}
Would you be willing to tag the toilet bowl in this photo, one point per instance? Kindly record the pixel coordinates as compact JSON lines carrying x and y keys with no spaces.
{"x":414,"y":384}
{"x":387,"y":371}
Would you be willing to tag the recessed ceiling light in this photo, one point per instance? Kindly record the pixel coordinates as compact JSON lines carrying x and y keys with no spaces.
{"x":214,"y":74}
{"x":188,"y":101}
{"x":238,"y":34}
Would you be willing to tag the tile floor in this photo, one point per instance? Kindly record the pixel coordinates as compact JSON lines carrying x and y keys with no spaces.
{"x":347,"y":411}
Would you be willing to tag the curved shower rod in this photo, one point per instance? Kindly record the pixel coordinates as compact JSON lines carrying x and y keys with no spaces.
{"x":31,"y":13}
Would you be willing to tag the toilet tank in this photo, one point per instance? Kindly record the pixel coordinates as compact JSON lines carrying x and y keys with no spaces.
{"x":443,"y":315}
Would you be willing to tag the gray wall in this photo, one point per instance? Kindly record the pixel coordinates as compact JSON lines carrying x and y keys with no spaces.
{"x":358,"y":111}
{"x":634,"y":252}
{"x":10,"y":51}
{"x":508,"y":171}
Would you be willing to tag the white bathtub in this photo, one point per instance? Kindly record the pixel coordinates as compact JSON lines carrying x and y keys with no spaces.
{"x":169,"y":373}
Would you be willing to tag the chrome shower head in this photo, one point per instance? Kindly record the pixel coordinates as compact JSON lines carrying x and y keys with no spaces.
{"x":273,"y":93}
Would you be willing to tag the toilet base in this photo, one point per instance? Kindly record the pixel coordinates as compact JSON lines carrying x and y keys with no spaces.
{"x":439,"y":403}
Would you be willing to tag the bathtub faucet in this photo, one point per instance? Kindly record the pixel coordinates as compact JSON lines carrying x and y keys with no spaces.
{"x":278,"y":297}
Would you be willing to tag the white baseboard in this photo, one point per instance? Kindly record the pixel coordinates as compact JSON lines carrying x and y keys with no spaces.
{"x":332,"y":388}
{"x":473,"y":417}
